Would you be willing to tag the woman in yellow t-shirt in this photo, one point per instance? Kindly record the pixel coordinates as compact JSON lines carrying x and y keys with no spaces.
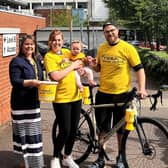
{"x":67,"y":104}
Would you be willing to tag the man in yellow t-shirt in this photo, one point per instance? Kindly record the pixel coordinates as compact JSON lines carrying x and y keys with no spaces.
{"x":114,"y":60}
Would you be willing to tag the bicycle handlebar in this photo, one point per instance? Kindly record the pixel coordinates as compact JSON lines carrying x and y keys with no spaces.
{"x":134,"y":94}
{"x":154,"y":96}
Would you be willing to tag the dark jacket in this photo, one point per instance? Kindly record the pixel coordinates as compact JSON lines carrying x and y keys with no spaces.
{"x":23,"y":97}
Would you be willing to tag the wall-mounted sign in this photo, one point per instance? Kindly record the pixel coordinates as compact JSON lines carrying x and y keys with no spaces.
{"x":9,"y":44}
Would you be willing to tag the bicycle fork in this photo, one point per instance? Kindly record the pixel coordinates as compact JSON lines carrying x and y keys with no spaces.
{"x":146,"y":149}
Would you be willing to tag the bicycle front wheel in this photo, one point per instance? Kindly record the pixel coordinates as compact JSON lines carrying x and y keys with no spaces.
{"x":154,"y":152}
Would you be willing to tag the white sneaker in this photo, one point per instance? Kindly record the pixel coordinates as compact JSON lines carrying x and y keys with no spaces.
{"x":69,"y":162}
{"x":55,"y":163}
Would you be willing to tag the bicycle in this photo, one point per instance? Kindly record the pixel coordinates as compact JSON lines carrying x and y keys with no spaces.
{"x":144,"y":147}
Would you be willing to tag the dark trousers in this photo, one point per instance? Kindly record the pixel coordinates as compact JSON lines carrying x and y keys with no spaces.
{"x":68,"y":115}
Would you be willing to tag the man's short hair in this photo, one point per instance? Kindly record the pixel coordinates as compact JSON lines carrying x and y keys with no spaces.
{"x":110,"y":23}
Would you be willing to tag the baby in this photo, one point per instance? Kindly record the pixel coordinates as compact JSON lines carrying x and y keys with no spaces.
{"x":77,"y":54}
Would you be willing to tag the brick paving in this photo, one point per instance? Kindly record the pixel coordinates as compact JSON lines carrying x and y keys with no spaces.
{"x":7,"y":159}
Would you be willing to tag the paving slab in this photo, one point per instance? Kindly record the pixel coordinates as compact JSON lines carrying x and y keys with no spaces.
{"x":8,"y":159}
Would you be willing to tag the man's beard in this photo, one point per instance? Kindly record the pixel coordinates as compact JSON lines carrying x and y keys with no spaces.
{"x":112,"y":42}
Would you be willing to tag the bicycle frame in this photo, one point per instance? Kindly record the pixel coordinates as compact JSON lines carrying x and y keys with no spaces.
{"x":114,"y":129}
{"x":98,"y":143}
{"x":121,"y":123}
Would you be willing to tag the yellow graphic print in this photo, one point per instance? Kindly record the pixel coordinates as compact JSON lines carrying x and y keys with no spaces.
{"x":115,"y":60}
{"x":65,"y":64}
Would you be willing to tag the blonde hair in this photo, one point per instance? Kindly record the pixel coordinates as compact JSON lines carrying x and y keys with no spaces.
{"x":52,"y":35}
{"x":76,"y":42}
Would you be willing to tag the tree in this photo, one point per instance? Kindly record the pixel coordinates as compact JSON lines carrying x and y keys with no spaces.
{"x":150,"y":16}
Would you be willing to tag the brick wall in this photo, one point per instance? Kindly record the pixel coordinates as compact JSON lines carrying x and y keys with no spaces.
{"x":5,"y":86}
{"x":27,"y":25}
{"x":44,"y":13}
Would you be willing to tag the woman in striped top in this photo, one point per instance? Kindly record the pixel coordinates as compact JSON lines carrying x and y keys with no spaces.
{"x":25,"y":74}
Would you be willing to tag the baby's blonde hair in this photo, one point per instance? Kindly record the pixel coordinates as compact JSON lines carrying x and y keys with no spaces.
{"x":76,"y":42}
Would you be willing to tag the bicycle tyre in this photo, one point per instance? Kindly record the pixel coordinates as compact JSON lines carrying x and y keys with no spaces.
{"x":84,"y":138}
{"x":157,"y":137}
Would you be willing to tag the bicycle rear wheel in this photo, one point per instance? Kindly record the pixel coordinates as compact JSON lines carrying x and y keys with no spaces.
{"x":84,"y":137}
{"x":156,"y":146}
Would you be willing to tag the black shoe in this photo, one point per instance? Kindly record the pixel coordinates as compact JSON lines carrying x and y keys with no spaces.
{"x":99,"y":163}
{"x":119,"y":162}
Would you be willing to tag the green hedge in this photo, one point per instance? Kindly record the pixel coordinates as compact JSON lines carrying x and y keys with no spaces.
{"x":155,"y":67}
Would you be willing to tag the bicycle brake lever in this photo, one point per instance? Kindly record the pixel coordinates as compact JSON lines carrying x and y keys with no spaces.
{"x":155,"y":97}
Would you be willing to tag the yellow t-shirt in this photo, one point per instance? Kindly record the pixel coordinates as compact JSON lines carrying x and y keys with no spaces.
{"x":67,"y":90}
{"x":77,"y":57}
{"x":115,"y":62}
{"x":80,"y":56}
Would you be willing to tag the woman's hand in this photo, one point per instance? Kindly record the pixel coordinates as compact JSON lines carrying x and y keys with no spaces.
{"x":35,"y":83}
{"x":31,"y":83}
{"x":77,"y":64}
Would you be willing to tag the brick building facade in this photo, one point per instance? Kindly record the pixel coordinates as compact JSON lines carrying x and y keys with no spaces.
{"x":17,"y":24}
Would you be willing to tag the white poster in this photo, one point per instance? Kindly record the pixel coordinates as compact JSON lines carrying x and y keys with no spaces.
{"x":9,"y":44}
